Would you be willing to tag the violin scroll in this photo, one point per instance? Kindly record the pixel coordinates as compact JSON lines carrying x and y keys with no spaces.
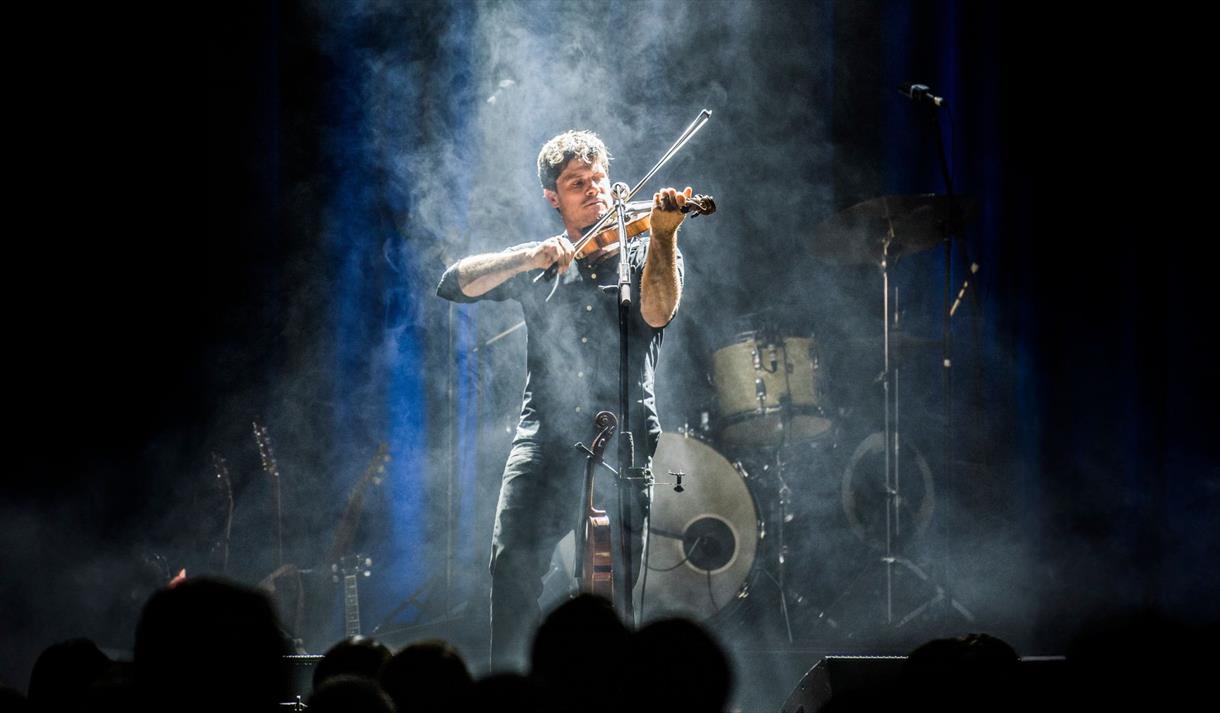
{"x":699,"y":205}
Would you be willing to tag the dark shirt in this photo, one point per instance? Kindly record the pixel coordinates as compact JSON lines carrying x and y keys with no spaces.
{"x":573,"y":350}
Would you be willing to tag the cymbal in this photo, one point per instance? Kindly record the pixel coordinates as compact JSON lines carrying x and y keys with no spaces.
{"x":857,"y":235}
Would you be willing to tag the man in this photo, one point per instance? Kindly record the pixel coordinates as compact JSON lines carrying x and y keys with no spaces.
{"x":573,"y":370}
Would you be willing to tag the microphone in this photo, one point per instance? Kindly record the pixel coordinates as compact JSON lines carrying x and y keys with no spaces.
{"x":920,"y":93}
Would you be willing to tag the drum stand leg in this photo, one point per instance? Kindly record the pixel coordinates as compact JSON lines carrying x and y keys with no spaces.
{"x":784,"y":494}
{"x":784,"y":498}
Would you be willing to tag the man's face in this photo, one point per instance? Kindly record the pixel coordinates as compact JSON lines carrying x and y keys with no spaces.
{"x":582,"y":194}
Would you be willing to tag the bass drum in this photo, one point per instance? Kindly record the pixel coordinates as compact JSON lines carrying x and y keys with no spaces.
{"x":703,"y":541}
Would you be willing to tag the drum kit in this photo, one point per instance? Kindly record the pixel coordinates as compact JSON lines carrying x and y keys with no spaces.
{"x":728,"y":549}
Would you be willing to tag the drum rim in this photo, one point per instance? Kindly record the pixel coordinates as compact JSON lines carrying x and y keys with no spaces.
{"x":738,"y":419}
{"x":749,"y":336}
{"x":802,"y":410}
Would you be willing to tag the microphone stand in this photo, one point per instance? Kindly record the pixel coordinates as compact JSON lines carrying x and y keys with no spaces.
{"x":628,"y":474}
{"x":921,"y":94}
{"x":626,"y":443}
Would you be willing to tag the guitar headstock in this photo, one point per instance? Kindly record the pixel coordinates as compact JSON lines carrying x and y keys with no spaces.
{"x":356,"y":565}
{"x":265,"y":452}
{"x":223,"y":482}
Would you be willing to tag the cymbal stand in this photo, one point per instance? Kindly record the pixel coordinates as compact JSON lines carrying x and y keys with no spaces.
{"x":893,"y":453}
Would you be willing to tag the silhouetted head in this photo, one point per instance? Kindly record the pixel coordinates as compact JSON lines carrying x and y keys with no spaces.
{"x":426,"y":677}
{"x":213,"y":644}
{"x":349,"y":694}
{"x":971,"y":672}
{"x":354,"y":656}
{"x":578,"y":644}
{"x":679,"y":666}
{"x":512,"y":693}
{"x":63,"y":674}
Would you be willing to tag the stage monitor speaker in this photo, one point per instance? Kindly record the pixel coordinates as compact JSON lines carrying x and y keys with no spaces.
{"x":299,"y":669}
{"x":839,"y":675}
{"x":867,"y":679}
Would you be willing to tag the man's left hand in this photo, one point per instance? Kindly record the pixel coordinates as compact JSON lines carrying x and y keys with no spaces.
{"x":667,"y":212}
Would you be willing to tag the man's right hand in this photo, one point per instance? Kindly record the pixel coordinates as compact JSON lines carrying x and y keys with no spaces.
{"x":553,"y":251}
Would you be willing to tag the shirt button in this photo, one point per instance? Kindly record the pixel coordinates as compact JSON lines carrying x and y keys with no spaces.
{"x":580,"y":374}
{"x":584,"y":340}
{"x":593,"y":276}
{"x":588,"y":308}
{"x":577,"y":409}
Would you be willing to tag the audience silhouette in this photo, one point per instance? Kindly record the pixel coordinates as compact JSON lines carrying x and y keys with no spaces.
{"x":354,"y":656}
{"x":64,"y":674}
{"x":345,"y":693}
{"x":211,"y":645}
{"x":427,"y":677}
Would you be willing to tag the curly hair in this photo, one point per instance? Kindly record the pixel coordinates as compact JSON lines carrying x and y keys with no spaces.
{"x":556,"y":153}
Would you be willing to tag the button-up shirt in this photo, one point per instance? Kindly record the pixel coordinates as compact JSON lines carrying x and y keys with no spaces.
{"x":572,"y":350}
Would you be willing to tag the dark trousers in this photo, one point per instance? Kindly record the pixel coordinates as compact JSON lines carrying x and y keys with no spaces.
{"x":540,"y":502}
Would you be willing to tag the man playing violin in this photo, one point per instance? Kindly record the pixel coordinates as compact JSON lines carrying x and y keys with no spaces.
{"x":573,"y":370}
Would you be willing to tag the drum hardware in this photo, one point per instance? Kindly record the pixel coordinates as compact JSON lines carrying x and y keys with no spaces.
{"x":703,"y":430}
{"x":888,"y":228}
{"x":782,"y":557}
{"x":938,"y":595}
{"x":866,"y":232}
{"x":855,"y":489}
{"x":784,"y":516}
{"x":880,"y":231}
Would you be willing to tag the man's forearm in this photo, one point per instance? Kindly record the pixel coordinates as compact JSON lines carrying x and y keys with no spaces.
{"x":661,"y":288}
{"x":479,"y":274}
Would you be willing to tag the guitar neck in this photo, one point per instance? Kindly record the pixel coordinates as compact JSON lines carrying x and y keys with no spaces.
{"x":263,"y":439}
{"x":351,"y":606}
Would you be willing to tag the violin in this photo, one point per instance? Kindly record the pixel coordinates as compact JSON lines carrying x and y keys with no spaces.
{"x":604,"y":242}
{"x":598,"y":246}
{"x":594,"y":565}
